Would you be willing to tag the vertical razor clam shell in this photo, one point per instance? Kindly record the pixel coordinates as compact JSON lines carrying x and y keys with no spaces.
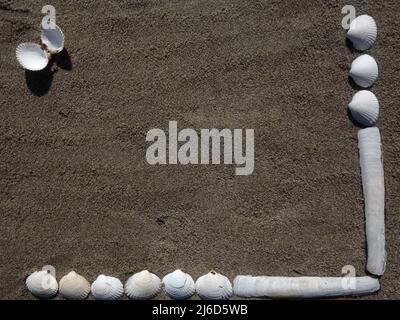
{"x":372,"y":174}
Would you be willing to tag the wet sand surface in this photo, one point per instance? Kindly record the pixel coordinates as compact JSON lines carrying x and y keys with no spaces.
{"x":77,"y":192}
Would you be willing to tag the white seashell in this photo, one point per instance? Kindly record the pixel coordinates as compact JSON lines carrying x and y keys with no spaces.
{"x":372,"y":175}
{"x":179,"y":285}
{"x":362,"y":32}
{"x":143,"y":285}
{"x":214,"y":286}
{"x":303,"y":287}
{"x":107,"y":288}
{"x":364,"y":108}
{"x":53,"y":38}
{"x":31,"y":56}
{"x":42,"y":284}
{"x":74,"y":287}
{"x":364,"y":71}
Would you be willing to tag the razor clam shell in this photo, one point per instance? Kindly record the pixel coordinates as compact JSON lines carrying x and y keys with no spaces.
{"x":213,"y":286}
{"x":364,"y":108}
{"x":143,"y":285}
{"x":303,"y":287}
{"x":364,"y":71}
{"x":107,"y":288}
{"x":179,"y":285}
{"x":42,"y":284}
{"x":363,"y":32}
{"x":74,"y":286}
{"x":372,"y":175}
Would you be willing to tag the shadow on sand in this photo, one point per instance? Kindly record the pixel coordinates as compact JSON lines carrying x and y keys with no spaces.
{"x":39,"y":82}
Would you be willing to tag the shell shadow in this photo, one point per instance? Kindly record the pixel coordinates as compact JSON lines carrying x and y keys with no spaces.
{"x":39,"y":82}
{"x":354,"y":85}
{"x":63,"y":60}
{"x":350,"y":46}
{"x":354,"y":121}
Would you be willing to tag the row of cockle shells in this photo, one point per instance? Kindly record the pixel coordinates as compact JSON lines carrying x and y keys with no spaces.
{"x":364,"y":107}
{"x":143,"y":285}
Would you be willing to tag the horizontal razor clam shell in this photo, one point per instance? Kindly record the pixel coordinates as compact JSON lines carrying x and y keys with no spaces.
{"x":303,"y":287}
{"x":372,"y":175}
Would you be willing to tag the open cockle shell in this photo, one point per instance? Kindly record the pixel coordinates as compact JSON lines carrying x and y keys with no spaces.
{"x":179,"y":285}
{"x":214,"y":286}
{"x":143,"y":285}
{"x":364,"y":71}
{"x":42,"y":284}
{"x":52,"y":37}
{"x":107,"y":288}
{"x":362,"y":32}
{"x":74,"y":287}
{"x":364,"y":107}
{"x":31,"y":56}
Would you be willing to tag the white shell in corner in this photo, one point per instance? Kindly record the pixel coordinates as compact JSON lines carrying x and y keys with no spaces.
{"x":214,"y":286}
{"x":362,"y":32}
{"x":52,"y":37}
{"x":107,"y":288}
{"x":42,"y":284}
{"x":364,"y":71}
{"x":179,"y":285}
{"x":31,"y":56}
{"x":364,"y":107}
{"x":143,"y":285}
{"x":372,"y":176}
{"x":74,"y":287}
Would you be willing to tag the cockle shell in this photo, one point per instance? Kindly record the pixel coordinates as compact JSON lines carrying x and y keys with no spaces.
{"x":362,"y":32}
{"x":52,"y":37}
{"x":31,"y":56}
{"x":372,"y":176}
{"x":303,"y":287}
{"x":364,"y":71}
{"x":107,"y":288}
{"x":214,"y":286}
{"x":74,"y":287}
{"x":179,"y":285}
{"x":143,"y":285}
{"x":364,"y":107}
{"x":42,"y":284}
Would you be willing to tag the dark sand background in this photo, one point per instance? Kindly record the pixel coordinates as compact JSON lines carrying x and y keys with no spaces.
{"x":76,"y":190}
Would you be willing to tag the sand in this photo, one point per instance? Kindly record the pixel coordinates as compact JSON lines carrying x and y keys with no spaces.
{"x":76,"y":190}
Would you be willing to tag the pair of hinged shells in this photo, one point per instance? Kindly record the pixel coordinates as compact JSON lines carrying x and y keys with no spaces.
{"x":34,"y":57}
